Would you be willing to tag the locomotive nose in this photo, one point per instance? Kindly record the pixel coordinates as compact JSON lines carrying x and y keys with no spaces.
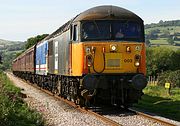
{"x":139,"y":81}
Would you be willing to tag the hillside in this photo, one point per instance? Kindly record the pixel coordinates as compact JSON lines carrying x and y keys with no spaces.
{"x":7,"y":42}
{"x":163,"y":24}
{"x":8,"y":51}
{"x":11,"y":49}
{"x":164,"y":33}
{"x":6,"y":45}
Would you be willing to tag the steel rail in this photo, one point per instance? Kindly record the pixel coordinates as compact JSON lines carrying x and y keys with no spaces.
{"x":102,"y":118}
{"x":151,"y":117}
{"x":90,"y":112}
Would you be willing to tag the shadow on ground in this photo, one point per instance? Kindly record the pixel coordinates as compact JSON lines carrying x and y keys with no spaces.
{"x":167,"y":108}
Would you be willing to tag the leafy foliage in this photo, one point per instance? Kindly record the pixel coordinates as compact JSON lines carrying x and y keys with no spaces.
{"x":6,"y":45}
{"x":148,"y":43}
{"x":161,"y":59}
{"x":152,"y":35}
{"x":11,"y":51}
{"x":164,"y":63}
{"x":170,"y":41}
{"x":7,"y":58}
{"x":33,"y":40}
{"x":15,"y":47}
{"x":172,"y":77}
{"x":13,"y":111}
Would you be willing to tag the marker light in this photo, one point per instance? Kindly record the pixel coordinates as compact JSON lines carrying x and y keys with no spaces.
{"x":128,"y":49}
{"x":103,"y":49}
{"x":93,"y":49}
{"x":113,"y":48}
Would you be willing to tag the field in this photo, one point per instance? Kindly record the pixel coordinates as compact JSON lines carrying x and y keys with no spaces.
{"x":171,"y":29}
{"x":157,"y":100}
{"x":159,"y":34}
{"x":163,"y":43}
{"x":13,"y":111}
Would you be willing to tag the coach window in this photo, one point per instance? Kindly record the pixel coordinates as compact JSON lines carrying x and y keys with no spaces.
{"x":75,"y":33}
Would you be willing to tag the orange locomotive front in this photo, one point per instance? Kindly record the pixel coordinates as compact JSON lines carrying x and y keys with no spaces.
{"x":108,"y":52}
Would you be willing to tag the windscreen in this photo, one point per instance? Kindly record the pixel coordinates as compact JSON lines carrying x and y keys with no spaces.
{"x":112,"y":30}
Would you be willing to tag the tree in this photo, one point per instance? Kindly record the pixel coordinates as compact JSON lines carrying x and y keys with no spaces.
{"x":153,"y":34}
{"x":175,"y":58}
{"x":161,"y":22}
{"x":7,"y":60}
{"x":148,"y":43}
{"x":166,"y":33}
{"x":172,"y":77}
{"x":33,"y":40}
{"x":160,"y":59}
{"x":0,"y":59}
{"x":170,"y":41}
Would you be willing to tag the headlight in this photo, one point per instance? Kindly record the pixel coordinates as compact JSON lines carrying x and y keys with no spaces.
{"x":113,"y":47}
{"x":128,"y":49}
{"x":137,"y":57}
{"x":89,"y":59}
{"x":137,"y":64}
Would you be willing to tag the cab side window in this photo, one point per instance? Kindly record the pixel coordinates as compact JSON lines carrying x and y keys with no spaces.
{"x":75,"y":33}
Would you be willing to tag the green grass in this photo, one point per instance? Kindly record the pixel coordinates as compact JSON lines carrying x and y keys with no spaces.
{"x":171,"y":46}
{"x":162,"y":42}
{"x":13,"y":111}
{"x":159,"y":41}
{"x":157,"y":100}
{"x":167,"y":46}
{"x":178,"y":42}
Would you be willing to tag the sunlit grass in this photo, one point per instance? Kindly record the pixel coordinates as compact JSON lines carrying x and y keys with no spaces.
{"x":157,"y":100}
{"x":13,"y":111}
{"x":159,"y":41}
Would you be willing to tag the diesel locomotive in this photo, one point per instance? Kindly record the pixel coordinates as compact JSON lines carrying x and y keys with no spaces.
{"x":98,"y":56}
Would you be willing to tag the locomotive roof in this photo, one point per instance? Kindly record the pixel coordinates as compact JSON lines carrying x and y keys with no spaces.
{"x":107,"y":12}
{"x":99,"y":12}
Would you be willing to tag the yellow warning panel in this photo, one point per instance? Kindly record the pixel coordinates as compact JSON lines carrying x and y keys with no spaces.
{"x":113,"y":60}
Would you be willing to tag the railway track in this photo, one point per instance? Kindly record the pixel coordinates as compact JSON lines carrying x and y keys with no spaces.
{"x":101,"y":113}
{"x":166,"y":123}
{"x":84,"y":110}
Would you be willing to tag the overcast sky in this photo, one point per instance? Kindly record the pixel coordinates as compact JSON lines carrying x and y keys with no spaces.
{"x":21,"y":19}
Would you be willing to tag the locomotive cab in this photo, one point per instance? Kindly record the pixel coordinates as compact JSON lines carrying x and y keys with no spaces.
{"x":111,"y":55}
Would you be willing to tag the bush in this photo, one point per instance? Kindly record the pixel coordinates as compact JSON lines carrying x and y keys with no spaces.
{"x":172,"y":77}
{"x":13,"y":111}
{"x":158,"y":60}
{"x":170,"y":41}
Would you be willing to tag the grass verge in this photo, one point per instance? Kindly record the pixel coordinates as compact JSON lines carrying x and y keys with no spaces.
{"x":13,"y":111}
{"x":157,"y":100}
